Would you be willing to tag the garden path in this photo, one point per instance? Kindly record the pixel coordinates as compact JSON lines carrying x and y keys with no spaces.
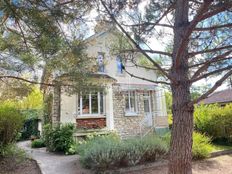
{"x":51,"y":163}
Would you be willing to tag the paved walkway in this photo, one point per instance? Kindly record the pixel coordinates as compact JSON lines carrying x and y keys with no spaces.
{"x":51,"y":163}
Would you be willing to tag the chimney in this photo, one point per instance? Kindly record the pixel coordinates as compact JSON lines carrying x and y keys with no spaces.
{"x":102,"y":25}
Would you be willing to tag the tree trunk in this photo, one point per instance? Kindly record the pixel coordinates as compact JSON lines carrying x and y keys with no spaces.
{"x":181,"y":140}
{"x":182,"y":128}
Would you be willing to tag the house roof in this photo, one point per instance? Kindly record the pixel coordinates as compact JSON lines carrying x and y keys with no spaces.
{"x":224,"y":96}
{"x":102,"y":75}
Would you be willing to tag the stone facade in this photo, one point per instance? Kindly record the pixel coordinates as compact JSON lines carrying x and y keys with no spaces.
{"x":127,"y":126}
{"x":56,"y":105}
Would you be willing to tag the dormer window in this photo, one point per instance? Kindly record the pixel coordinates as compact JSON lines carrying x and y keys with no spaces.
{"x":119,"y":65}
{"x":100,"y":61}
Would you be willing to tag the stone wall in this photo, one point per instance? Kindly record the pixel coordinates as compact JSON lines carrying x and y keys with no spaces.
{"x":127,"y":126}
{"x":56,"y":105}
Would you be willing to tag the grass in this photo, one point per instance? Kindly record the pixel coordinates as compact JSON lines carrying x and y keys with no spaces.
{"x":217,"y":147}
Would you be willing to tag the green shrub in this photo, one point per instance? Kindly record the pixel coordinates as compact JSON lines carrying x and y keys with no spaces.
{"x":11,"y":122}
{"x":38,"y":143}
{"x":109,"y":151}
{"x":150,"y":148}
{"x":155,"y":148}
{"x":12,"y":151}
{"x":92,"y":139}
{"x":214,"y":121}
{"x":170,"y":121}
{"x":102,"y":153}
{"x":72,"y":149}
{"x":134,"y":151}
{"x":201,"y":146}
{"x":59,"y":138}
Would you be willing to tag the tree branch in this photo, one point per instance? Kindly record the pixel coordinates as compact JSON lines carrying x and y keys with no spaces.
{"x":214,"y":27}
{"x":142,"y":78}
{"x":136,"y":45}
{"x":191,"y":54}
{"x":210,"y":73}
{"x":145,"y":67}
{"x":163,"y":15}
{"x":208,"y":63}
{"x":218,"y":10}
{"x":210,"y":91}
{"x":190,"y":28}
{"x":148,"y":51}
{"x":148,"y":23}
{"x":21,"y":30}
{"x":25,"y":80}
{"x":213,"y":61}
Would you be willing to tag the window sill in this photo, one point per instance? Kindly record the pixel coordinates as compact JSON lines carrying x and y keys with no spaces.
{"x":89,"y":116}
{"x":99,"y":72}
{"x":131,"y":114}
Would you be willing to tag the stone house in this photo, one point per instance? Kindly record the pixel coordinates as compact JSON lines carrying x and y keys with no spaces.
{"x":127,"y":105}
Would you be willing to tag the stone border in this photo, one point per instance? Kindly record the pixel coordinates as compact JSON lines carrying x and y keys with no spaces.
{"x":159,"y":163}
{"x":36,"y":165}
{"x":220,"y":153}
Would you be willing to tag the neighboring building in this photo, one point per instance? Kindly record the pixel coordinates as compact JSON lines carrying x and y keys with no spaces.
{"x":221,"y":97}
{"x":127,"y":105}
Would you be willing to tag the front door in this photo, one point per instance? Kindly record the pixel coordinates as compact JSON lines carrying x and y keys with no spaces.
{"x":147,"y":109}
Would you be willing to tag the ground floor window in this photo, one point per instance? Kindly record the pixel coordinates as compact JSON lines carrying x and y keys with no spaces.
{"x":91,"y":103}
{"x":131,"y":104}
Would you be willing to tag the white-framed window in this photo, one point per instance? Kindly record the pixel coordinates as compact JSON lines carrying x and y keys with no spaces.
{"x":131,"y":103}
{"x":119,"y":65}
{"x":100,"y":61}
{"x":92,"y":103}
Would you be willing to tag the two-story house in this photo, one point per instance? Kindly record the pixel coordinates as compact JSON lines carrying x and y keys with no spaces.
{"x":127,"y":105}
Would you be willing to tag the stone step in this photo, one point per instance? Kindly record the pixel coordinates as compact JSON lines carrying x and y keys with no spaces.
{"x":81,"y":134}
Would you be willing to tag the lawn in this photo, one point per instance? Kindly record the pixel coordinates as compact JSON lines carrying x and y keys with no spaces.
{"x":217,"y":147}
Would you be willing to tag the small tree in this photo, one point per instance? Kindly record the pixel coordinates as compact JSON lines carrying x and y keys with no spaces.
{"x":11,"y":122}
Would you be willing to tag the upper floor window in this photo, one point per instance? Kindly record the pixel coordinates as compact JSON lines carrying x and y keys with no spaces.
{"x":130,"y":107}
{"x":100,"y":61}
{"x":119,"y":65}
